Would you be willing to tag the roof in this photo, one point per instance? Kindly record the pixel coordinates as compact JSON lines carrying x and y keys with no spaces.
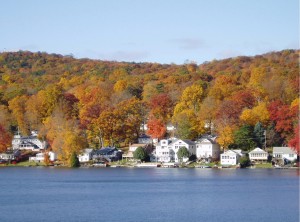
{"x":138,"y":144}
{"x":257,"y":150}
{"x":189,"y":142}
{"x":284,"y":150}
{"x":231,"y":152}
{"x":87,"y":150}
{"x":210,"y":138}
{"x":105,"y":150}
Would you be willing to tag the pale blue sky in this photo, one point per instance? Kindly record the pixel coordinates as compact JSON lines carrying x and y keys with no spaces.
{"x":164,"y":31}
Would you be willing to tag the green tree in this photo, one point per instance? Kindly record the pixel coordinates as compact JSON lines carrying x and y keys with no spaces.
{"x":182,"y":152}
{"x":74,"y":161}
{"x":245,"y":161}
{"x":259,"y":134}
{"x":140,"y":154}
{"x":244,"y":138}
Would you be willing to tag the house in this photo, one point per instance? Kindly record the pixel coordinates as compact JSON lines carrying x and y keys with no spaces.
{"x":144,"y":139}
{"x":132,"y":148}
{"x":207,"y":147}
{"x":10,"y":155}
{"x":284,"y":153}
{"x":28,"y":142}
{"x":40,"y":157}
{"x":107,"y":154}
{"x":258,"y":155}
{"x":230,"y":157}
{"x":166,"y":150}
{"x":85,"y":156}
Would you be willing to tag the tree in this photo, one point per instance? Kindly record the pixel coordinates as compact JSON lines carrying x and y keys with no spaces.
{"x":258,"y":113}
{"x":46,"y":159}
{"x":17,"y":106}
{"x":161,"y":106}
{"x":5,"y":139}
{"x":140,"y":154}
{"x":244,"y":138}
{"x":156,"y":128}
{"x":244,"y":161}
{"x":190,"y":99}
{"x":74,"y":161}
{"x":182,"y":153}
{"x":223,"y":87}
{"x":225,"y":136}
{"x":294,"y":142}
{"x":259,"y":134}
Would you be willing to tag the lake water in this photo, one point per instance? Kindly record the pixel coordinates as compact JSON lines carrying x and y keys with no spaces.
{"x":142,"y":195}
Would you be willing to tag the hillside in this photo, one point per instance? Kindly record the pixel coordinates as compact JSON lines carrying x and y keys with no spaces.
{"x":76,"y":103}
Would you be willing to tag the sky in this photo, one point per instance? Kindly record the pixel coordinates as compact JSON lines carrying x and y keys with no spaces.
{"x":161,"y":31}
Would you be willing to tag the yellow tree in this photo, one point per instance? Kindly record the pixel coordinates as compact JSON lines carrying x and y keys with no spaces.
{"x":225,"y":135}
{"x":185,"y":113}
{"x":120,"y":86}
{"x":223,"y":87}
{"x":258,"y":113}
{"x":64,"y":135}
{"x":17,"y":107}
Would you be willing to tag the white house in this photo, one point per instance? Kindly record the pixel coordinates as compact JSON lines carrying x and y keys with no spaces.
{"x":207,"y":147}
{"x":28,"y":142}
{"x":284,"y":153}
{"x":166,"y":150}
{"x":258,"y":155}
{"x":230,"y":157}
{"x":85,"y":156}
{"x":10,"y":155}
{"x":40,"y":157}
{"x":133,"y":147}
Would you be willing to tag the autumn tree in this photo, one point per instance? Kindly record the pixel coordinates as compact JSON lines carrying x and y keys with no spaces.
{"x":185,"y":118}
{"x":225,"y":136}
{"x":161,"y":107}
{"x":258,"y":113}
{"x":156,"y":128}
{"x":17,"y":107}
{"x":223,"y":87}
{"x":5,"y":139}
{"x":294,"y":142}
{"x":284,"y":117}
{"x":64,"y":135}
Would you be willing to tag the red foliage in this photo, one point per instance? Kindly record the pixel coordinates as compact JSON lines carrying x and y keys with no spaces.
{"x":5,"y":139}
{"x":161,"y":106}
{"x":283,"y":117}
{"x":156,"y":128}
{"x":294,"y":142}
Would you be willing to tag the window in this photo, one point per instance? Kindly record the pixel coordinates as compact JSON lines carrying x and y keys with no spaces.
{"x":291,"y":155}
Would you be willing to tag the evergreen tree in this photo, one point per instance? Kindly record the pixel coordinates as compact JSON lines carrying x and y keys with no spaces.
{"x":182,"y":152}
{"x":140,"y":154}
{"x":259,"y":135}
{"x":244,"y":138}
{"x":74,"y":161}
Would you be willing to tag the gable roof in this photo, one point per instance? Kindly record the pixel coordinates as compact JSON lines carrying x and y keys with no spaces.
{"x":284,"y":150}
{"x":257,"y":150}
{"x":236,"y":152}
{"x":188,"y":142}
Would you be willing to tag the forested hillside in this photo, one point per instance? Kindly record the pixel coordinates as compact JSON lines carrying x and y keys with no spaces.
{"x":76,"y":103}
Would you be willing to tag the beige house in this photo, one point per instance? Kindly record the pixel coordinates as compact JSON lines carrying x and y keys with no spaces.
{"x":258,"y":155}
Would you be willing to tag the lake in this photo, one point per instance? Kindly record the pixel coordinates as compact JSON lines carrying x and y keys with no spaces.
{"x":134,"y":195}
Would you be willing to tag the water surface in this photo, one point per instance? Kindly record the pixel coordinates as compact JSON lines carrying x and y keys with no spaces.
{"x":134,"y":195}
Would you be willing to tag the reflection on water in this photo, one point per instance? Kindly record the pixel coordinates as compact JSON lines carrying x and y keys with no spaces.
{"x":121,"y":194}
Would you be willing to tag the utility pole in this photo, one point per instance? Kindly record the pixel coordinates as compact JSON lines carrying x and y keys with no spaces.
{"x":265,"y":134}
